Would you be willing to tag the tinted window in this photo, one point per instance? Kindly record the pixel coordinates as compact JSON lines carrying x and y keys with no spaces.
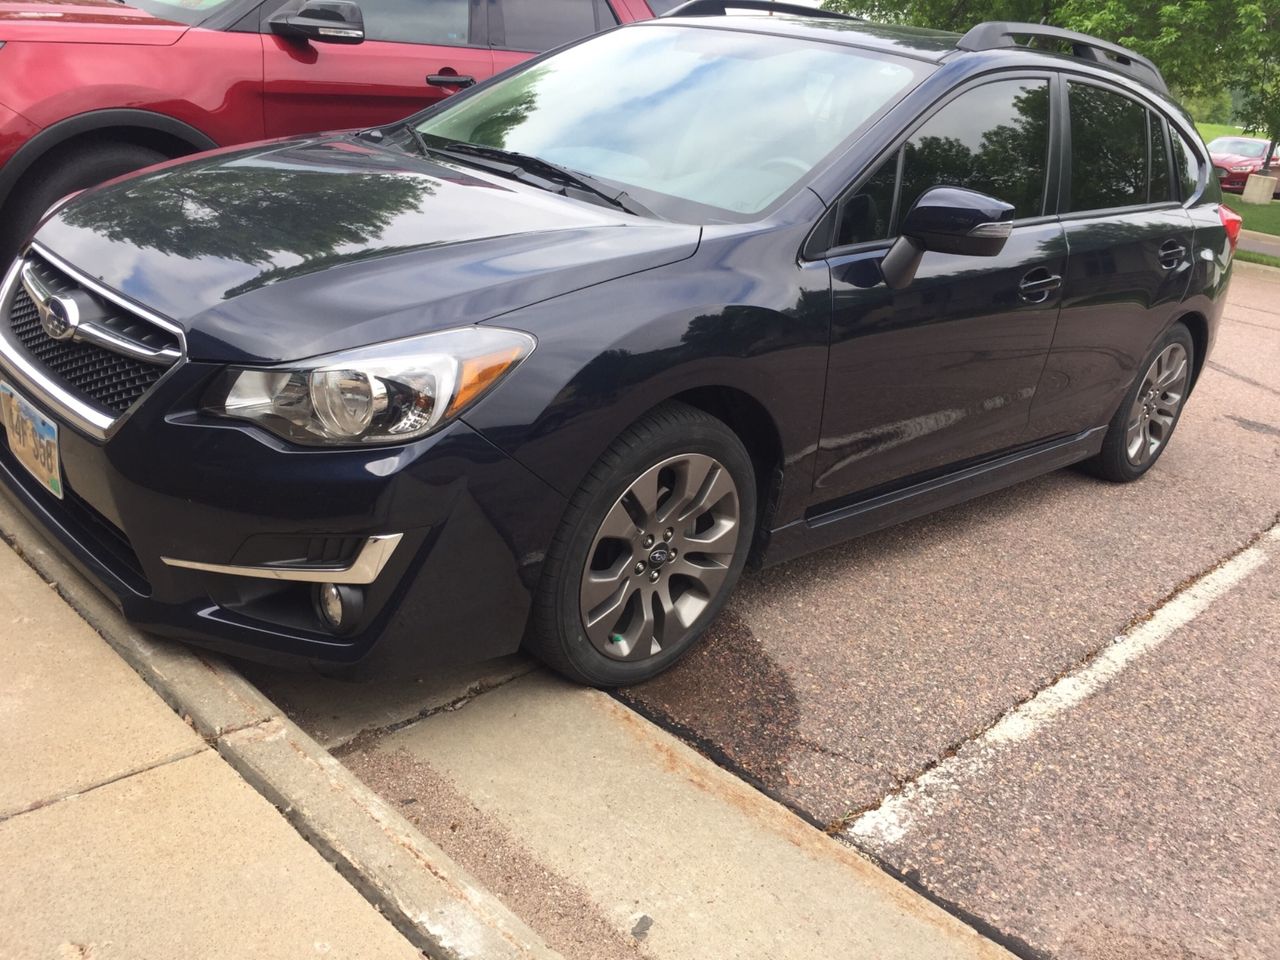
{"x":673,"y":113}
{"x":867,"y":213}
{"x":1186,"y":167}
{"x":993,"y":139}
{"x":1108,"y":149}
{"x":1161,"y":184}
{"x":418,"y":21}
{"x":539,"y":25}
{"x":659,"y":7}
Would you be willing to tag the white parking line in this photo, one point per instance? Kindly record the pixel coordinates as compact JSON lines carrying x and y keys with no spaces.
{"x":905,"y":810}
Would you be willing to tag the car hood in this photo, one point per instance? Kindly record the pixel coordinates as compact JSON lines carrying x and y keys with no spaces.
{"x":84,"y":21}
{"x":1233,"y":159}
{"x":303,"y":247}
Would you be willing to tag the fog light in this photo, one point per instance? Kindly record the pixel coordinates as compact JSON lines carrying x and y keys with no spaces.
{"x":338,"y":607}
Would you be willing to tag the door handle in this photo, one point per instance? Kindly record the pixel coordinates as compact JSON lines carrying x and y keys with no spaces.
{"x":1038,"y":284}
{"x":1171,"y":254}
{"x":451,"y":80}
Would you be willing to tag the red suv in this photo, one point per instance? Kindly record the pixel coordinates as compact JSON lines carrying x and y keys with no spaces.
{"x":91,"y":89}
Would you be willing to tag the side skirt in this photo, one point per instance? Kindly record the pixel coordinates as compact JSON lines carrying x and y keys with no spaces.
{"x":867,"y":516}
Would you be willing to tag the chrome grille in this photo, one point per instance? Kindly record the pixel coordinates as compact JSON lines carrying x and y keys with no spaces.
{"x":95,"y":374}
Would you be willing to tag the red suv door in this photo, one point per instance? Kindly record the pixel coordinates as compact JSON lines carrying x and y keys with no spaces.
{"x":325,"y":86}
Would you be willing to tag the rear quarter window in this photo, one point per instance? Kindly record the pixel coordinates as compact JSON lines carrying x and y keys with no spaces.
{"x":1186,"y":167}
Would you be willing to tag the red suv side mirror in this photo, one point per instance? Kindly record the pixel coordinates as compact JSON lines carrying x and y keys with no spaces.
{"x":320,"y":21}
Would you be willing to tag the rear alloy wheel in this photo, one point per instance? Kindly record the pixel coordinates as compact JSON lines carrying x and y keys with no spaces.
{"x":1155,"y":409}
{"x":648,"y":551}
{"x":1142,"y":426}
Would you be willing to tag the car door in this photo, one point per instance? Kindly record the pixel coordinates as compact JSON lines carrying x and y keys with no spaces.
{"x":325,"y":86}
{"x":518,"y":29}
{"x":944,"y":370}
{"x":1129,"y":243}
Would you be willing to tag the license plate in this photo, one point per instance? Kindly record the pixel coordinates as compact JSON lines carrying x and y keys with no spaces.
{"x":33,"y":439}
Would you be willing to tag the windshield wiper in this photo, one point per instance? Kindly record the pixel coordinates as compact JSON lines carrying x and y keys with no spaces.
{"x":419,"y":140}
{"x":510,"y":162}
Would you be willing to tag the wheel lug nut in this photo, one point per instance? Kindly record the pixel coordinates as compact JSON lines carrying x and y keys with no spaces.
{"x":653,"y":576}
{"x":674,"y":553}
{"x":648,"y":541}
{"x":639,"y":568}
{"x":668,"y":534}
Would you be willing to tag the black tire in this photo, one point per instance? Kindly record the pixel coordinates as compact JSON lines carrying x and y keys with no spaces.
{"x":557,"y":634}
{"x":1113,"y":462}
{"x":62,"y":171}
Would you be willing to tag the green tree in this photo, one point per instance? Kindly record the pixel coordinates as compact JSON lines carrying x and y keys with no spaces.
{"x":1214,"y":106}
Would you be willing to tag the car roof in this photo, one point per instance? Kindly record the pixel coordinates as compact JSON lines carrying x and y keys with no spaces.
{"x":939,"y":46}
{"x":917,"y":42}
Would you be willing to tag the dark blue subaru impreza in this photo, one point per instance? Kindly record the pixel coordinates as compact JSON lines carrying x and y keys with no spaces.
{"x":551,"y":362}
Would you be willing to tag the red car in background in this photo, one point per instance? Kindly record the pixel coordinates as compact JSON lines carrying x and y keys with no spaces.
{"x":91,"y":89}
{"x":1237,"y":158}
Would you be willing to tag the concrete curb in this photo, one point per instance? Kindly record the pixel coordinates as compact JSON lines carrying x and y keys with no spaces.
{"x":1261,"y":269}
{"x":432,"y":901}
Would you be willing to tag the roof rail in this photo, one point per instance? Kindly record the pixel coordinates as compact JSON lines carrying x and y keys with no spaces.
{"x":998,"y":33}
{"x":720,"y":8}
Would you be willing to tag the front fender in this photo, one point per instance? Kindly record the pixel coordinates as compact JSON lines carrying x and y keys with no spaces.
{"x":736,"y":315}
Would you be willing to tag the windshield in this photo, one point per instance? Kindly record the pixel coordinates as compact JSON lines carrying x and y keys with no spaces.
{"x":1238,"y":146}
{"x":190,"y":12}
{"x":730,"y":121}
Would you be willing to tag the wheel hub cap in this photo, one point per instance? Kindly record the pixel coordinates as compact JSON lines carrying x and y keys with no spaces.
{"x":660,"y":557}
{"x":1154,"y":412}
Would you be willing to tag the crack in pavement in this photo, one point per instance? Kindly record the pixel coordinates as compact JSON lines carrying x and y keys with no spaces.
{"x":81,"y":791}
{"x":1254,"y":323}
{"x":370,"y":735}
{"x":1214,"y":365}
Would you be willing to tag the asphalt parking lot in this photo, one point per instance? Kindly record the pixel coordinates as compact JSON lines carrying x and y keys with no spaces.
{"x":864,"y":688}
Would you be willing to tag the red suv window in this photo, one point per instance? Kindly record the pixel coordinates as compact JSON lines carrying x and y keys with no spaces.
{"x":537,"y":25}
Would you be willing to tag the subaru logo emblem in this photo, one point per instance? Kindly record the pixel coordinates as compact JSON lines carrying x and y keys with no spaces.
{"x":659,"y":556}
{"x":58,"y":318}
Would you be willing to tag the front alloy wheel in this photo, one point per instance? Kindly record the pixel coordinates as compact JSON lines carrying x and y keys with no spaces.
{"x":660,"y":557}
{"x":648,"y":550}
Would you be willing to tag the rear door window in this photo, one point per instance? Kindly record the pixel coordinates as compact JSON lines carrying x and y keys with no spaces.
{"x":538,"y":25}
{"x":1109,"y":149}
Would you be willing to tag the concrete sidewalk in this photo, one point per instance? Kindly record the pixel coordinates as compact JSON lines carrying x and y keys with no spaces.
{"x":123,"y":834}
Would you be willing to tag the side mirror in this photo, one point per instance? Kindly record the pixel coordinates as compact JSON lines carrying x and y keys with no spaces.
{"x":947,"y":220}
{"x":320,"y":21}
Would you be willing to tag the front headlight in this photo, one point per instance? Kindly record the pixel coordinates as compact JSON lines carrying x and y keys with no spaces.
{"x":1242,"y":168}
{"x":388,"y":393}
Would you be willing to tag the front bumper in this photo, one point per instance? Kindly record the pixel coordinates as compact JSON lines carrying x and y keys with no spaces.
{"x":168,"y":483}
{"x":1235,"y":182}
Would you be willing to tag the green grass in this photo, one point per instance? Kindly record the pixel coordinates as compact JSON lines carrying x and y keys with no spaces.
{"x":1250,"y":257}
{"x":1263,"y":217}
{"x":1211,"y":131}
